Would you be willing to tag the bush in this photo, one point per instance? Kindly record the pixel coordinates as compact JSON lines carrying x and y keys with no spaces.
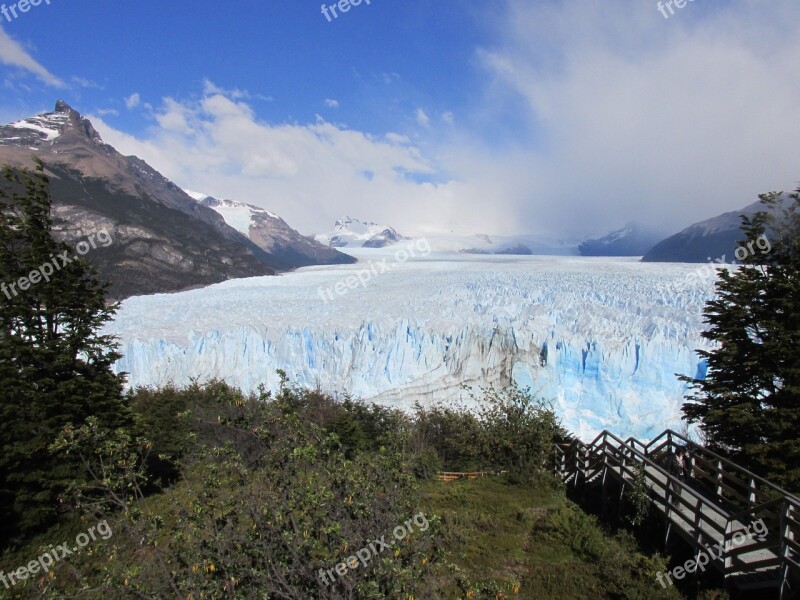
{"x":265,"y":499}
{"x":509,"y":430}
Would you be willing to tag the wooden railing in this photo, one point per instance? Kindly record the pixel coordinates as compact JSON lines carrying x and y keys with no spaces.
{"x":455,"y":475}
{"x":716,"y":502}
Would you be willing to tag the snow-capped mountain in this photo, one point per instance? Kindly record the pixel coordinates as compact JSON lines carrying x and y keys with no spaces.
{"x":631,"y":240}
{"x":352,"y":233}
{"x":602,"y":338}
{"x":163,"y":240}
{"x":40,"y":129}
{"x":514,"y":245}
{"x":238,"y":215}
{"x":287,"y":248}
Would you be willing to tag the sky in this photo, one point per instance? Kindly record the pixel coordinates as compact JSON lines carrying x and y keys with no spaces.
{"x":562,"y":119}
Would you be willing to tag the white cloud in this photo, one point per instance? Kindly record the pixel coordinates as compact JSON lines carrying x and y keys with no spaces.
{"x":331,"y":103}
{"x":13,"y":54}
{"x":209,"y":88}
{"x":133,"y":101}
{"x":631,"y":116}
{"x":397,"y":138}
{"x":590,"y":116}
{"x":310,"y":174}
{"x":85,"y":83}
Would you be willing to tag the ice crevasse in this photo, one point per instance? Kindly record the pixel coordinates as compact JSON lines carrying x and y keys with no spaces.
{"x":601,"y":339}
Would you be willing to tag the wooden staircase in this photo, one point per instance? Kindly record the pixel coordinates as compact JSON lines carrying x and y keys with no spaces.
{"x":747,"y":526}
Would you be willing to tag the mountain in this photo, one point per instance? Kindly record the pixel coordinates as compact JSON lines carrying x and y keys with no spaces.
{"x":163,"y":239}
{"x":287,"y":248}
{"x":511,"y":245}
{"x":704,"y":241}
{"x":352,"y":233}
{"x":631,"y":240}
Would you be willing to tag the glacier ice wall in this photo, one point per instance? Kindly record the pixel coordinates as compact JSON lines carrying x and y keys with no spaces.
{"x":601,"y":339}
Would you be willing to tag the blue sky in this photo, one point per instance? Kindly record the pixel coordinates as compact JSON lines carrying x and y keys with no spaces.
{"x":380,"y":61}
{"x":558,"y":118}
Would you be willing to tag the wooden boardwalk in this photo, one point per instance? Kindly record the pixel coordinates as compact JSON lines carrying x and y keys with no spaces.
{"x":747,"y":527}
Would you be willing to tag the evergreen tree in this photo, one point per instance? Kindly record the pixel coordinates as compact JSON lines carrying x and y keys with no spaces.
{"x":749,"y":403}
{"x":55,"y":367}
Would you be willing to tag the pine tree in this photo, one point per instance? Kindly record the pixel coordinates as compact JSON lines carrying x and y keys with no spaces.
{"x":749,"y":403}
{"x":55,"y":367}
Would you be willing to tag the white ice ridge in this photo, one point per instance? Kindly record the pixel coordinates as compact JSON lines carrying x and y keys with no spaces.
{"x":600,"y":338}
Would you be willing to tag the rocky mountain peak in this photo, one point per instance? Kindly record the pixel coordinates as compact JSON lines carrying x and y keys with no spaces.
{"x":46,"y":129}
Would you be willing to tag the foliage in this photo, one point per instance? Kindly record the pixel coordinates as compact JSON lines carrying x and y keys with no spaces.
{"x":265,"y":499}
{"x":454,"y":434}
{"x":638,"y":498}
{"x":507,"y":430}
{"x":55,"y":366}
{"x":748,"y":405}
{"x":267,"y":495}
{"x":519,"y":430}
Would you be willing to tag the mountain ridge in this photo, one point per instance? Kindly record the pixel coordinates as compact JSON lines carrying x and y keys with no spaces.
{"x":164,"y":240}
{"x":286,"y":247}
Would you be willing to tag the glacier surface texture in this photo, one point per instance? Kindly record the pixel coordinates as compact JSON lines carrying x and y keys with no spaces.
{"x":601,"y":339}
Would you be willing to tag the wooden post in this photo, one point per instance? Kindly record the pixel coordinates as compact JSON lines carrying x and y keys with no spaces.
{"x":604,"y":492}
{"x":577,"y":465}
{"x":667,"y":509}
{"x":728,"y":561}
{"x":784,"y":568}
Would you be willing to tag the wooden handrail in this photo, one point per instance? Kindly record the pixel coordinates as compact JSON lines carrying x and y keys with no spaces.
{"x":698,"y":517}
{"x":727,"y":461}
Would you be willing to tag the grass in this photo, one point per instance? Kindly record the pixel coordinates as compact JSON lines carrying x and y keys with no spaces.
{"x":503,"y":540}
{"x":498,"y":540}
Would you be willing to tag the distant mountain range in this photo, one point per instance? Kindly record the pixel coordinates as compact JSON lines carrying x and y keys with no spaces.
{"x":163,"y":240}
{"x":166,"y":239}
{"x":352,"y":233}
{"x":631,"y":240}
{"x":287,"y":248}
{"x":713,"y":239}
{"x":705,"y":241}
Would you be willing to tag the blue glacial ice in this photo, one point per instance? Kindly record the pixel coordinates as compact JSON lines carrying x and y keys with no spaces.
{"x":602,"y":339}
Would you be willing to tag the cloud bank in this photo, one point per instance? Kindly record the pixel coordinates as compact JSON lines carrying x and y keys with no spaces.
{"x":615,"y":114}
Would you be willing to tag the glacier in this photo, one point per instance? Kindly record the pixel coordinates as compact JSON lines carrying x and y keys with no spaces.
{"x":601,"y":339}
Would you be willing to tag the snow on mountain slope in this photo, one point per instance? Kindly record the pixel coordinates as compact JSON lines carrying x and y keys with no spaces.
{"x":632,"y":240}
{"x":502,"y":244}
{"x":352,"y":233}
{"x":287,"y":248}
{"x":197,"y":195}
{"x":238,"y":215}
{"x":601,"y":338}
{"x":45,"y":127}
